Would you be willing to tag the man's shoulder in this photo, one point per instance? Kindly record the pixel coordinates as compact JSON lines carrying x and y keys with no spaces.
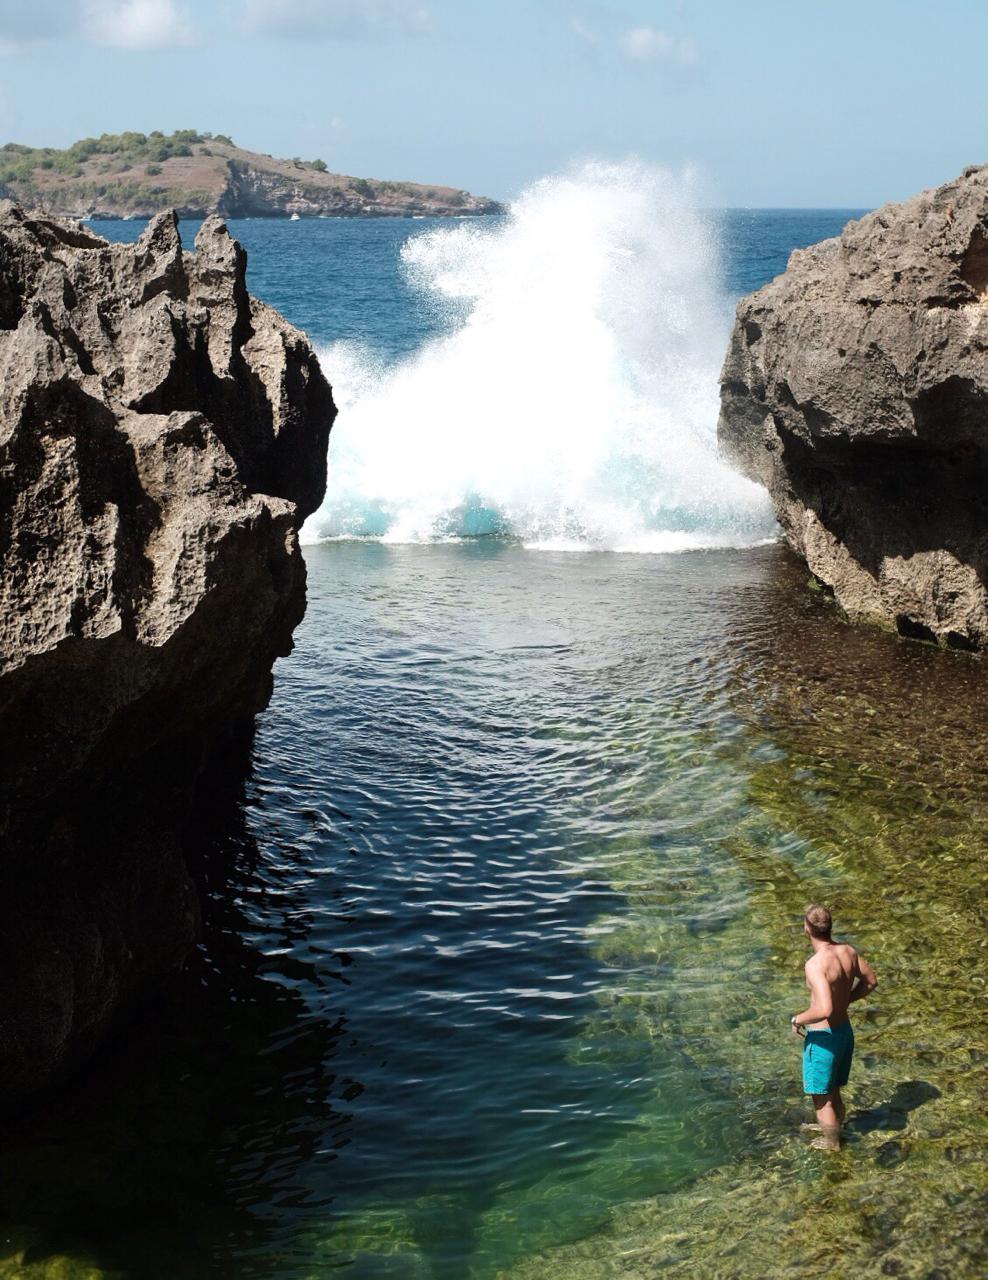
{"x":848,"y":959}
{"x":819,"y":958}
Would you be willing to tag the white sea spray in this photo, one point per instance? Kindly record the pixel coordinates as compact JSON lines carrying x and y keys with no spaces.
{"x":573,"y":403}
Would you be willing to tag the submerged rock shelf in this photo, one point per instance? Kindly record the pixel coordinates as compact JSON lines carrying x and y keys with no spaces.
{"x":162,"y":437}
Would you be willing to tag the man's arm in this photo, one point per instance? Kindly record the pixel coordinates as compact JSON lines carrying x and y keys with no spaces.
{"x":821,"y":1000}
{"x":866,"y":982}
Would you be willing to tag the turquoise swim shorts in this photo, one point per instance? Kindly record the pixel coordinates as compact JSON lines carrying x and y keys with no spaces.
{"x":827,"y":1058}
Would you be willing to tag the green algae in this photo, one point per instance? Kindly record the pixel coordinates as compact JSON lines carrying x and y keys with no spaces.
{"x":873,"y":796}
{"x":23,"y":1257}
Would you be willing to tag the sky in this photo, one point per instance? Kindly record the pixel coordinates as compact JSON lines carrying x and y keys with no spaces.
{"x":776,"y":103}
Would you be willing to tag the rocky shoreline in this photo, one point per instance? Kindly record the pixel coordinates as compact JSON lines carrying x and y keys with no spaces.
{"x":855,"y":388}
{"x":162,"y":437}
{"x":136,"y":175}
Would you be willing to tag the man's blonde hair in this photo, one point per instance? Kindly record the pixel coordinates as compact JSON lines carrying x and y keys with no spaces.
{"x":819,"y":920}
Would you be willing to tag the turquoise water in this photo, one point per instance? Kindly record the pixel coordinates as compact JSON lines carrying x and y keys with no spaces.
{"x":503,"y":934}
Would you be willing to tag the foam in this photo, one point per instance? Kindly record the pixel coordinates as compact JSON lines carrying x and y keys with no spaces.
{"x":574,"y":403}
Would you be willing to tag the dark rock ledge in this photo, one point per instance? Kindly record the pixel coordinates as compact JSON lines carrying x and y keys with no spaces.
{"x":856,"y":389}
{"x":162,"y":436}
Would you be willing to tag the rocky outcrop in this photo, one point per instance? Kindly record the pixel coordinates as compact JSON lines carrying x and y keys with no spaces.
{"x":856,"y":388}
{"x":263,"y":188}
{"x":135,"y":175}
{"x":162,"y":436}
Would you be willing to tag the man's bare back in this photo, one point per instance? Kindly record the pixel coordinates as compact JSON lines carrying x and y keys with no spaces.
{"x":836,"y":970}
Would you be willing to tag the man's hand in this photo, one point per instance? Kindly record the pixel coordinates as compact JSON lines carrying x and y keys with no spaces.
{"x":797,"y":1030}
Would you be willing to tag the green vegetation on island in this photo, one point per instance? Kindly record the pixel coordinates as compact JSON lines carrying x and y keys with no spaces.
{"x":138,"y":174}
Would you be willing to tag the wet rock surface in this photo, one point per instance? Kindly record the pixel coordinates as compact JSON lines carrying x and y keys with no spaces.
{"x":162,"y":437}
{"x":856,"y":389}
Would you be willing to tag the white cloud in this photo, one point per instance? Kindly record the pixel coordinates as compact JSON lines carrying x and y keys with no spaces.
{"x":337,"y":19}
{"x":583,"y":30}
{"x":137,"y":24}
{"x":649,"y":44}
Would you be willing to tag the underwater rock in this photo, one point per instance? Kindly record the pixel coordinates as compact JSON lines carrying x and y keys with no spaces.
{"x":162,"y":437}
{"x":856,"y":389}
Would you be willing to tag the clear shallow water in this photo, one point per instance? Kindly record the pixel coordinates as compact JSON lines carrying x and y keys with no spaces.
{"x":503,"y":937}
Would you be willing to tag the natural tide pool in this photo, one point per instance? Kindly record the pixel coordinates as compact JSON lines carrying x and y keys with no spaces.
{"x":504,"y":936}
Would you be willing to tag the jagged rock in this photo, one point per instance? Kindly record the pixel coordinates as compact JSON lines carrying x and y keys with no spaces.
{"x":856,"y":389}
{"x":162,"y":436}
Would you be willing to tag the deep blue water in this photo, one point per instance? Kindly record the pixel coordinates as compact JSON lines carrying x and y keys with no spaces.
{"x":341,"y":280}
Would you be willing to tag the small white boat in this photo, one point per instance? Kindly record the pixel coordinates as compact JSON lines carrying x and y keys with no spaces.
{"x":295,"y":218}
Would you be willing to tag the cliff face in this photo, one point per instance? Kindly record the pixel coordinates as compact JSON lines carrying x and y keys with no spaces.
{"x":260,"y":187}
{"x":137,"y":175}
{"x":856,"y":389}
{"x":162,"y":436}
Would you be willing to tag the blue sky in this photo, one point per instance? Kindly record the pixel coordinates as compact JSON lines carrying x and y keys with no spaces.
{"x":778,"y":102}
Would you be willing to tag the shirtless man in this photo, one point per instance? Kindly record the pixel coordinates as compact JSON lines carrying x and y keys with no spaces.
{"x":836,"y":976}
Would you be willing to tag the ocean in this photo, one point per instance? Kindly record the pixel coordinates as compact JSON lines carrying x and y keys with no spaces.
{"x":503,"y":935}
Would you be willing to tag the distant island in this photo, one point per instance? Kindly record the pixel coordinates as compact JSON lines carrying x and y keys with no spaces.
{"x":136,"y":175}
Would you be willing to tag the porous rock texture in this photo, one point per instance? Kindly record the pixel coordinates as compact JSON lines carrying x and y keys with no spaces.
{"x":162,"y":436}
{"x":856,"y":389}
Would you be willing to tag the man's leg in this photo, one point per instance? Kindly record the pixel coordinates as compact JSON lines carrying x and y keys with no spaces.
{"x":828,"y":1120}
{"x":839,"y":1106}
{"x":826,"y":1112}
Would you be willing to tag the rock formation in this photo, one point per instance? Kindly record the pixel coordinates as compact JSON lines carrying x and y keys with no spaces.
{"x":856,"y":389}
{"x":135,"y":175}
{"x":162,"y":436}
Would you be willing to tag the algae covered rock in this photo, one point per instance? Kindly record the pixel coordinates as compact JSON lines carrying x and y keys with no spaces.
{"x":856,"y":389}
{"x":162,"y":437}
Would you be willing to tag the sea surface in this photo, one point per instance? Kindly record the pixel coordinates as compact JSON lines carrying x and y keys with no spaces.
{"x":503,"y":935}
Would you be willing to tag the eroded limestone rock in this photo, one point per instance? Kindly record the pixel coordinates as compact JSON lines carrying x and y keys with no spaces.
{"x":856,"y":389}
{"x":162,"y":437}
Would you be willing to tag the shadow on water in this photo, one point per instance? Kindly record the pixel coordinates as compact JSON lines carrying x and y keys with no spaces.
{"x":175,"y":1153}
